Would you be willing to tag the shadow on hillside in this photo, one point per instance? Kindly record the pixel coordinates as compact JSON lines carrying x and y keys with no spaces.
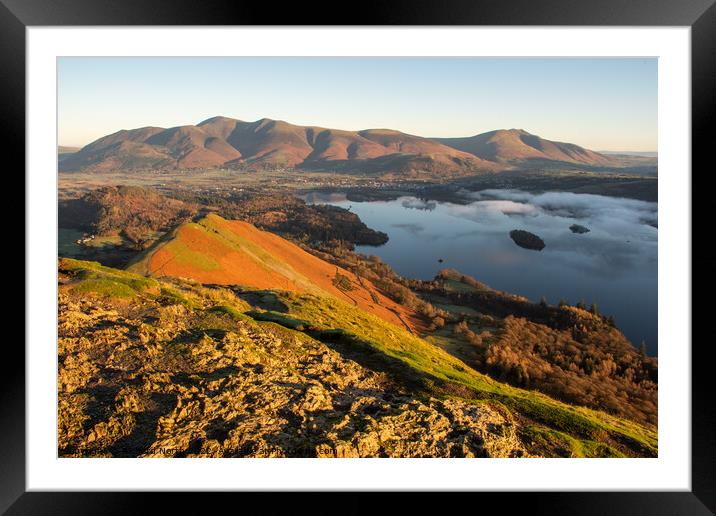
{"x":352,"y":348}
{"x":416,"y":382}
{"x":145,"y":427}
{"x":100,"y":404}
{"x":262,"y":299}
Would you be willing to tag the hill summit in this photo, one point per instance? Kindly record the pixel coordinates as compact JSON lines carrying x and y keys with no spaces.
{"x":512,"y":145}
{"x":214,"y":250}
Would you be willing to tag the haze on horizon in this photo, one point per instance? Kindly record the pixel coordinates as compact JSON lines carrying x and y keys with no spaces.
{"x":598,"y":103}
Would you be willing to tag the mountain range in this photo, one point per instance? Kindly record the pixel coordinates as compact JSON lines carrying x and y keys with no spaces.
{"x":222,"y":142}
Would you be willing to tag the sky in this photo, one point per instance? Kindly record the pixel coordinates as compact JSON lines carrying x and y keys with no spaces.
{"x":598,"y":103}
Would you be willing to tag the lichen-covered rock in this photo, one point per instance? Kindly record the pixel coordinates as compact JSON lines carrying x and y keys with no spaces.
{"x":204,"y":386}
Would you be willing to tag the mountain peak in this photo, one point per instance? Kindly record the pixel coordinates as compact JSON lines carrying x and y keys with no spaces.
{"x":519,"y":147}
{"x":217,"y":119}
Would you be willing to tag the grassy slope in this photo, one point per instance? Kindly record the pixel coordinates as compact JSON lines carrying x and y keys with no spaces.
{"x":218,"y":251}
{"x":215,"y":241}
{"x":548,"y":424}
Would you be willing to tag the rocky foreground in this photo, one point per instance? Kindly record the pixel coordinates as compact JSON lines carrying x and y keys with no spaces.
{"x":144,"y":382}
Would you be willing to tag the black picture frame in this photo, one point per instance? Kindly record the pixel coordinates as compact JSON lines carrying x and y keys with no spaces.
{"x":700,"y":15}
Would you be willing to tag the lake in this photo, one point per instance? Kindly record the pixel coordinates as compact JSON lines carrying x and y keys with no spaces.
{"x":613,"y":265}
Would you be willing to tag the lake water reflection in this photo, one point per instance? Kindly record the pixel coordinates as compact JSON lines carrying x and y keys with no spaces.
{"x":614,"y":265}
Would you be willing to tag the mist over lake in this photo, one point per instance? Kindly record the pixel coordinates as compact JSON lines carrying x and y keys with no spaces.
{"x":613,"y":265}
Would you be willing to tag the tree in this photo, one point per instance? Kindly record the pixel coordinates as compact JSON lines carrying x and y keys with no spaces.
{"x":642,"y":349}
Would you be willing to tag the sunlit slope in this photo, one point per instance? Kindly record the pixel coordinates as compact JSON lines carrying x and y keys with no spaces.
{"x":218,"y":251}
{"x":517,"y":145}
{"x":227,"y":142}
{"x":545,"y":426}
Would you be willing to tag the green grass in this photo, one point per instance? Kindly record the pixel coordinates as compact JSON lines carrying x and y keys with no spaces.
{"x":231,"y":311}
{"x":545,"y":441}
{"x":454,"y":344}
{"x":106,"y":281}
{"x":105,"y":241}
{"x":171,"y":296}
{"x":106,"y":288}
{"x":456,"y":309}
{"x":457,"y":286}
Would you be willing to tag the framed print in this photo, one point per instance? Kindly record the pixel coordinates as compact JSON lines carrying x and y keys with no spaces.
{"x":424,"y":249}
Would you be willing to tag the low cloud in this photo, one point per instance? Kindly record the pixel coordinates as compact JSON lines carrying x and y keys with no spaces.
{"x":613,"y":210}
{"x":418,"y":204}
{"x":505,"y":207}
{"x":620,"y":237}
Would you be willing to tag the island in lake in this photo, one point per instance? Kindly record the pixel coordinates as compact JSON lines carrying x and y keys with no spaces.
{"x":527,"y":240}
{"x":576,"y":228}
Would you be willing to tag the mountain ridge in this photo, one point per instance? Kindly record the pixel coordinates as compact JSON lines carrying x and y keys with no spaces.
{"x":223,"y":142}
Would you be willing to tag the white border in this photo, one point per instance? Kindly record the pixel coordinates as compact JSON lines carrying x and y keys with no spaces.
{"x":671,"y":470}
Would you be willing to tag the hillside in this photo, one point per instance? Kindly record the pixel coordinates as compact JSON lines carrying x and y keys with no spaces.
{"x":569,"y":352}
{"x":222,"y":142}
{"x":112,"y":224}
{"x":518,"y":146}
{"x":168,"y":367}
{"x":572,"y":353}
{"x":218,"y":251}
{"x":132,"y":213}
{"x":64,"y":152}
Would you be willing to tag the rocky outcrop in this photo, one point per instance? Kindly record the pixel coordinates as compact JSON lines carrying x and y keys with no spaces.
{"x":169,"y":381}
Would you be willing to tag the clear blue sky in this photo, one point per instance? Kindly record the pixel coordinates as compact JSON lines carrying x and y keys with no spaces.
{"x":602,"y":104}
